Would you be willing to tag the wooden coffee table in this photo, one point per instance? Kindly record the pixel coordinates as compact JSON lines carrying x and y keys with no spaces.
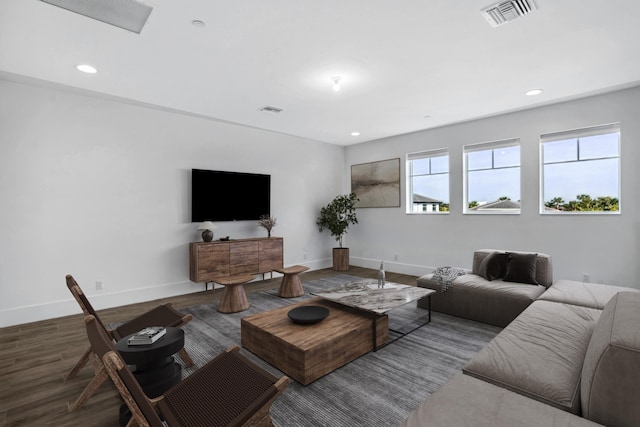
{"x":308,"y":352}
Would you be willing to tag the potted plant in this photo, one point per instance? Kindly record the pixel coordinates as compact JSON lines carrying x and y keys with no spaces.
{"x":267,"y":222}
{"x":336,"y":217}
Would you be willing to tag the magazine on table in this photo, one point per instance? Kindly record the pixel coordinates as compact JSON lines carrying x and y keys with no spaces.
{"x":147,"y":336}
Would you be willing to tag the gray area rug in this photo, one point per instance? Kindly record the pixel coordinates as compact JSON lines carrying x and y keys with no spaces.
{"x":378,"y":389}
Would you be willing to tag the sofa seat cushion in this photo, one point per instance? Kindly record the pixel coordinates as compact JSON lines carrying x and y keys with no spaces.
{"x":592,"y":295}
{"x":540,"y":354}
{"x":494,"y":302}
{"x":467,"y":401}
{"x":610,"y":389}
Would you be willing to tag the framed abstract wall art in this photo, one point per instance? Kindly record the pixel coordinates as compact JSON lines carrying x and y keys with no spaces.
{"x":377,"y":184}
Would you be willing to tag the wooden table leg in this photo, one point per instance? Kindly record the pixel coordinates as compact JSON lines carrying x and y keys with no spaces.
{"x":291,"y":286}
{"x":233,"y":299}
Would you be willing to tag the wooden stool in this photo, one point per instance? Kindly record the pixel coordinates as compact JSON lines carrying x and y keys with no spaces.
{"x":234,"y":298}
{"x":291,"y":285}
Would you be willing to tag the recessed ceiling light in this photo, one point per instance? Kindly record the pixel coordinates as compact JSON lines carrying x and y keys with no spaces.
{"x":533,"y":92}
{"x":198,"y":23}
{"x":355,"y":133}
{"x":86,"y":69}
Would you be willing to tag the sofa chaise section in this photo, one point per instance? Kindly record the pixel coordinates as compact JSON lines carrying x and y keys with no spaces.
{"x":496,"y":302}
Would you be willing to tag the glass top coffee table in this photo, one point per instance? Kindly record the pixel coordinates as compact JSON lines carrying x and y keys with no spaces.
{"x":365,"y":295}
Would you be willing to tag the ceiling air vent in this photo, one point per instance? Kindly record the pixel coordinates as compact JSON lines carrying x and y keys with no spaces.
{"x":272,"y":109}
{"x":128,"y":14}
{"x":506,"y":11}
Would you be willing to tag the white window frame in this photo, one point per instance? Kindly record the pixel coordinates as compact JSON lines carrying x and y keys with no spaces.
{"x":485,"y":146}
{"x":428,"y":154}
{"x":577,"y":134}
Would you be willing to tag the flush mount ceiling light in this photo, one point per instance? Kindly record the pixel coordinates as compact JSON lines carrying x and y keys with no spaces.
{"x":198,"y":23}
{"x":533,"y":92}
{"x":336,"y":83}
{"x":355,"y":133}
{"x":271,"y":109}
{"x":85,"y":68}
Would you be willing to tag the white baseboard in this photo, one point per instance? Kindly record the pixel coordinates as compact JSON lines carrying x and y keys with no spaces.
{"x":389,"y":265}
{"x":102,"y":300}
{"x":51,"y":310}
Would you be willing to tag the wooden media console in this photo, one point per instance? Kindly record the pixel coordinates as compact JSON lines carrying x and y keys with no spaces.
{"x":211,"y":260}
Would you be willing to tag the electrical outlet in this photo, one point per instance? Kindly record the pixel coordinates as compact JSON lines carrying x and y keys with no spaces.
{"x":304,"y":255}
{"x":395,"y":257}
{"x":586,"y":277}
{"x":99,"y":285}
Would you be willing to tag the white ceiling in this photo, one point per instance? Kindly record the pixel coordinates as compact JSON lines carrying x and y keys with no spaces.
{"x":400,"y":61}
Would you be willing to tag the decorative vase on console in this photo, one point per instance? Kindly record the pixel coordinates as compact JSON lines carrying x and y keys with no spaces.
{"x":381,"y":276}
{"x":207,"y":233}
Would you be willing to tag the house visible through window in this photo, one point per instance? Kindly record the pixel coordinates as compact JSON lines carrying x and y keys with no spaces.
{"x":492,"y":177}
{"x":581,"y":171}
{"x":428,"y":182}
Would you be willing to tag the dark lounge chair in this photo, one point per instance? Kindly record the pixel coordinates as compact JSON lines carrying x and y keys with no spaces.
{"x":230,"y":390}
{"x":162,"y":315}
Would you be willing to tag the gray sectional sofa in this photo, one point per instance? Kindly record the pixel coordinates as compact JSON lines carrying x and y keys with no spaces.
{"x":571,"y":358}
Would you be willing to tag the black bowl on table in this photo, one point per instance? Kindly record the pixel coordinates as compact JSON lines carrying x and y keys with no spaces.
{"x":308,"y":314}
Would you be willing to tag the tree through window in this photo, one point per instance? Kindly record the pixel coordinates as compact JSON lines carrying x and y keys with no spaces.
{"x":581,"y":171}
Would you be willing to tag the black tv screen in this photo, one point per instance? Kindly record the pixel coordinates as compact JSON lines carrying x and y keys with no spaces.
{"x":229,"y":196}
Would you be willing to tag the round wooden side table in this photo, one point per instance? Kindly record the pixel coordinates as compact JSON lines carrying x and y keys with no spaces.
{"x":234,"y":298}
{"x":291,"y":285}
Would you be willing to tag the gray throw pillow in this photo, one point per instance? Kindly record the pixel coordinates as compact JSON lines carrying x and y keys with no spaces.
{"x":521,"y":268}
{"x":493,"y":266}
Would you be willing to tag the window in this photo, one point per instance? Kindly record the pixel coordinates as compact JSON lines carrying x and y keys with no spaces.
{"x":580,"y":171}
{"x":492,"y":177}
{"x":428,"y":182}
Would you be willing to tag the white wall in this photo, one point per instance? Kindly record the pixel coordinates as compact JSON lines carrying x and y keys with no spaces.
{"x":101,"y":189}
{"x":607,"y":247}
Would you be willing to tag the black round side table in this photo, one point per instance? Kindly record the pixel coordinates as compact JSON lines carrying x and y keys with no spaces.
{"x":153,"y":365}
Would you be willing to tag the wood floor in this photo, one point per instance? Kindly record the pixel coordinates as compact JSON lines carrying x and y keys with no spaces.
{"x":34,"y":358}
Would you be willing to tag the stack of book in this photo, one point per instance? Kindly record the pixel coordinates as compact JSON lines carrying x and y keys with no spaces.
{"x":147,"y":336}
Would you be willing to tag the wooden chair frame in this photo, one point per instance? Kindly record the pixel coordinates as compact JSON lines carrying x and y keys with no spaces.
{"x":134,"y":396}
{"x":113,"y":363}
{"x":100,"y":372}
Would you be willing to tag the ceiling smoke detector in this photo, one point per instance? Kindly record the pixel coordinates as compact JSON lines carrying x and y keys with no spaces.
{"x":507,"y":11}
{"x":271,"y":109}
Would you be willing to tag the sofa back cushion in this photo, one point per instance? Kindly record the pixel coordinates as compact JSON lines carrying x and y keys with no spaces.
{"x":544,"y":267}
{"x":610,"y":389}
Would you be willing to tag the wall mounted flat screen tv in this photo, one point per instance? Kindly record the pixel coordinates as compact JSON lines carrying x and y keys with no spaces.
{"x":229,"y":196}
